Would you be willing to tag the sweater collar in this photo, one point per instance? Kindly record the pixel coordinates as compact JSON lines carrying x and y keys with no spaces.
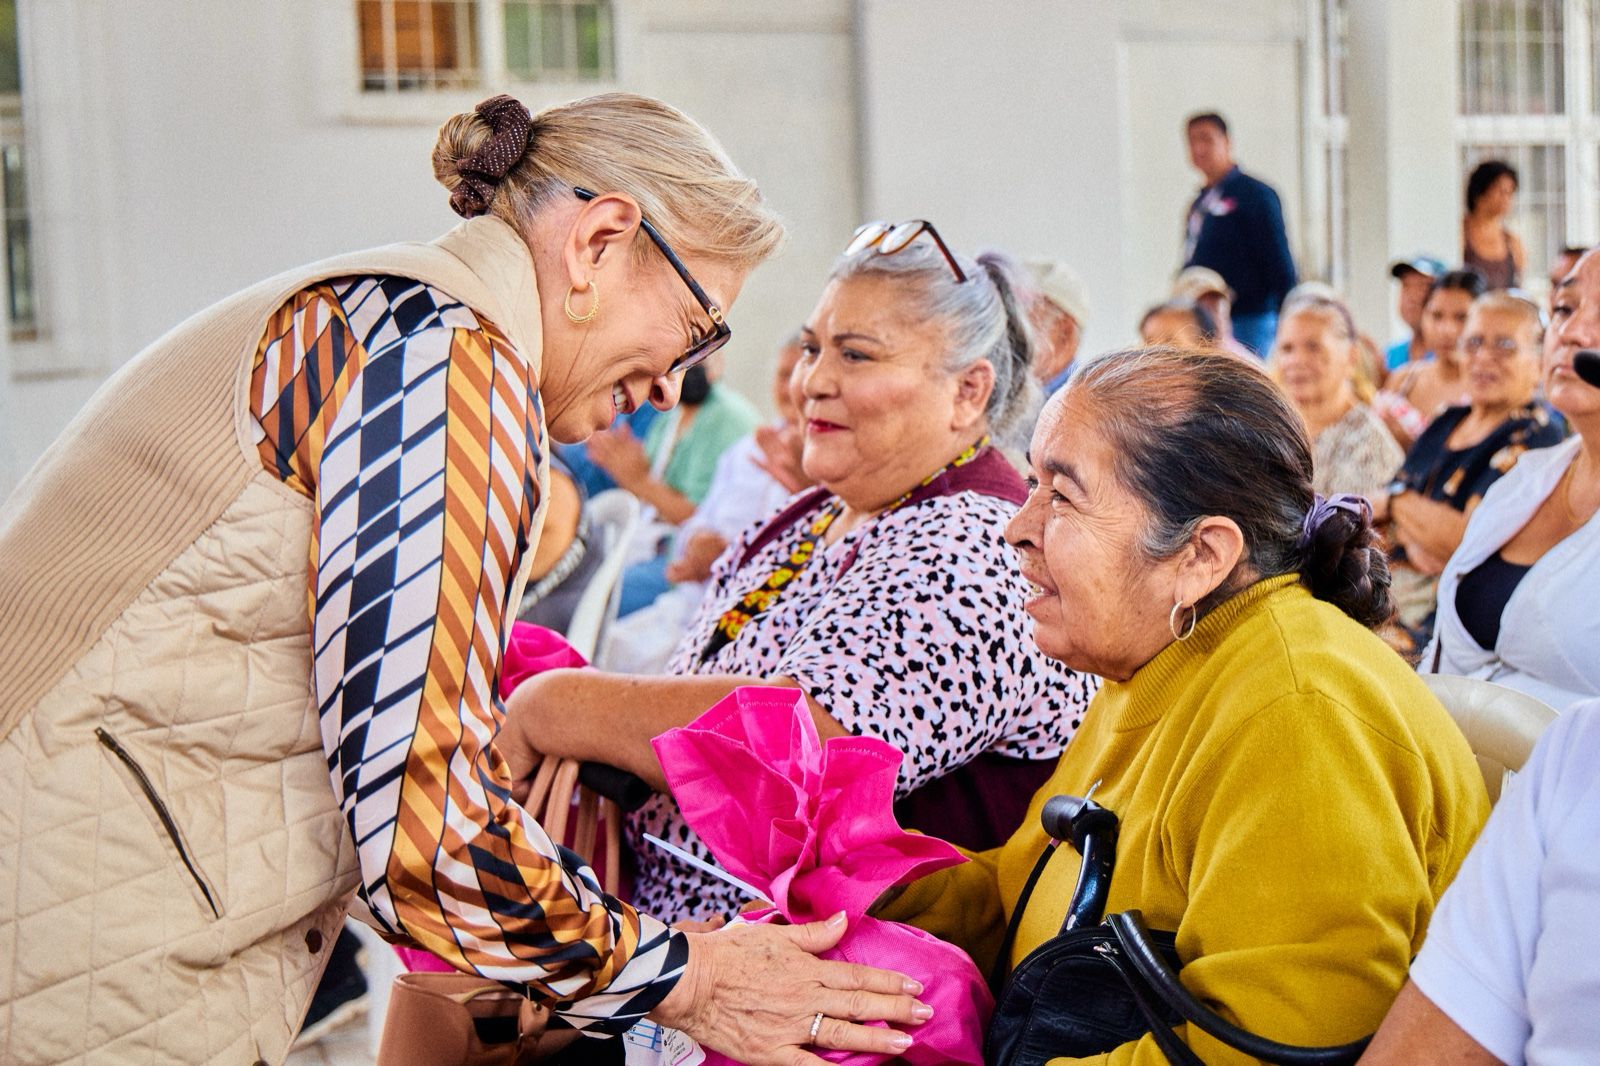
{"x":501,"y":260}
{"x":1145,"y":696}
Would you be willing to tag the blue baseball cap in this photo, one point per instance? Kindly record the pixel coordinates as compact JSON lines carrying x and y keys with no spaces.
{"x":1426,"y":265}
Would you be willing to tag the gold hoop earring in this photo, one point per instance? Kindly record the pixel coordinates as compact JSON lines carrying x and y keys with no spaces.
{"x":1172,"y":621}
{"x":566,"y":305}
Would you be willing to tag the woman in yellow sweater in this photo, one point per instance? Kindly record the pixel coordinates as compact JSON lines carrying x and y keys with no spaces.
{"x":1292,"y":799}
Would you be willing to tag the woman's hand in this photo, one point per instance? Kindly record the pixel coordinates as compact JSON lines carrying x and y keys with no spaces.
{"x":753,"y":991}
{"x":781,"y":447}
{"x":698,"y":553}
{"x":619,"y":453}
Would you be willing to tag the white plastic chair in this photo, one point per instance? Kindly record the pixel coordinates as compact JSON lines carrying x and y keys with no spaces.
{"x":613,"y":519}
{"x":1501,"y":724}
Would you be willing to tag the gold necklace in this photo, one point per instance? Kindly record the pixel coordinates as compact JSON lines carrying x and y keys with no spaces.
{"x":1566,"y":494}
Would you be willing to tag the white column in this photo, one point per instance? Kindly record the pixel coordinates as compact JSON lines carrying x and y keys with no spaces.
{"x":1401,"y":97}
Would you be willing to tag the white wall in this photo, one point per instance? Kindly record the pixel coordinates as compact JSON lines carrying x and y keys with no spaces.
{"x":1054,"y":128}
{"x":181,"y":149}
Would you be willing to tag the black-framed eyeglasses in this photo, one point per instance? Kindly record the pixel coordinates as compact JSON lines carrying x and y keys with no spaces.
{"x":889,"y":238}
{"x":701,"y":349}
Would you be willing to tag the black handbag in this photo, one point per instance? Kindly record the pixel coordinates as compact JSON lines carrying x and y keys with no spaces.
{"x":1097,"y":985}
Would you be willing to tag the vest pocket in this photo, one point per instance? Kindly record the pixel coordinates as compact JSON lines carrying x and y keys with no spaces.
{"x":164,"y":815}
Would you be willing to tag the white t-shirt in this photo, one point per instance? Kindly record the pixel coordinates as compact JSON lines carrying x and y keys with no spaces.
{"x":1513,"y":955}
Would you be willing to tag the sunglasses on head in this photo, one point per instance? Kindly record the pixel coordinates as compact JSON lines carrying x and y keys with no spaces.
{"x":701,"y":349}
{"x":889,"y":238}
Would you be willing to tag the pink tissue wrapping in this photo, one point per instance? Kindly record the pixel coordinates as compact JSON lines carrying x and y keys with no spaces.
{"x":813,"y":827}
{"x":530,"y":650}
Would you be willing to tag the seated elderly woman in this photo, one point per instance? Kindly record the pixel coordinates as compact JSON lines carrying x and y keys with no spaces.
{"x":1467,"y":448}
{"x":1517,"y":599}
{"x":885,"y":594}
{"x":1293,"y":801}
{"x":1315,"y":360}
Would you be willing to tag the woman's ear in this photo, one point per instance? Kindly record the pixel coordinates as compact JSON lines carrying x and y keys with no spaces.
{"x":1214,"y":551}
{"x":974,"y":386}
{"x":602,"y":234}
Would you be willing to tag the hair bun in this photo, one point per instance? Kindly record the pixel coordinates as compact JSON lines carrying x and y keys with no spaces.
{"x":478,"y":174}
{"x":1344,"y":561}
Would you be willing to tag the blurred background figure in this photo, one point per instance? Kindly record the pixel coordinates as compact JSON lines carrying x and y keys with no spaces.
{"x":1315,"y":360}
{"x":1416,"y":392}
{"x":1236,"y":228}
{"x":1416,"y":276}
{"x":1487,"y":246}
{"x":1206,"y":289}
{"x":1467,"y":448}
{"x":1058,"y":317}
{"x":1178,"y":324}
{"x":744,"y":490}
{"x":670,"y":471}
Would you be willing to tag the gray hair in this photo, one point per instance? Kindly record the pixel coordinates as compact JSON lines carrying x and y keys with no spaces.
{"x":985,"y":317}
{"x":1317,"y":303}
{"x":1195,"y":434}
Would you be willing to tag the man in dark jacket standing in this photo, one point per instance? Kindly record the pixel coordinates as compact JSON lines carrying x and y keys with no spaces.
{"x":1236,"y":229}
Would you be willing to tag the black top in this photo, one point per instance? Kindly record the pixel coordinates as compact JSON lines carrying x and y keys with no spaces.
{"x":1459,"y":476}
{"x":1482,"y":596}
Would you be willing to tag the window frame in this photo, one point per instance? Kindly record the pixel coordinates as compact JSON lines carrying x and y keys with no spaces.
{"x":338,"y":94}
{"x":1576,"y":130}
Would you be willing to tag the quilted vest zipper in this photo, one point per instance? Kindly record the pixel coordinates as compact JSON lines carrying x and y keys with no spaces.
{"x":109,"y":742}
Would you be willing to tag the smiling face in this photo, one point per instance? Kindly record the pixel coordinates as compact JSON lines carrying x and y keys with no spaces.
{"x":1314,"y":358}
{"x":1574,"y":327}
{"x":1443,"y":319}
{"x":881,"y":411}
{"x":1098,"y":604}
{"x":1500,"y":354}
{"x":617,"y":361}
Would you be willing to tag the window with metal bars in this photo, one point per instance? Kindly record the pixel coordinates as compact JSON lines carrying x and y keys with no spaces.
{"x":1529,"y":95}
{"x":418,"y":44}
{"x":558,"y":40}
{"x":408,"y":45}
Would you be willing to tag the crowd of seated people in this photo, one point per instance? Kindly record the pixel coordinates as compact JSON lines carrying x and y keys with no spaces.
{"x":1465,"y":448}
{"x":1210,"y":569}
{"x":885,"y":594}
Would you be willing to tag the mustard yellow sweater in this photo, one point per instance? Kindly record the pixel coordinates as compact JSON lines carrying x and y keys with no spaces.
{"x":1293,"y":801}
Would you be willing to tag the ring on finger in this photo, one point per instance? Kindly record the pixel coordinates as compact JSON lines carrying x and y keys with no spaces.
{"x":816,"y":1025}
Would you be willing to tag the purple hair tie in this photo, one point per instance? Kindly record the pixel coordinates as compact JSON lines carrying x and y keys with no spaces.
{"x":1322,"y":509}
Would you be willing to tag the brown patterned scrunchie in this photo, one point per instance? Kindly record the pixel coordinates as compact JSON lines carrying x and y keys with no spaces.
{"x":509,"y":126}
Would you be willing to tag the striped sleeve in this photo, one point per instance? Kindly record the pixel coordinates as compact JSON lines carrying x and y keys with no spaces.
{"x":415,"y":428}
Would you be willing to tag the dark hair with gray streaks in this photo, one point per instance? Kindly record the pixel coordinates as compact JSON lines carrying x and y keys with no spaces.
{"x":985,"y":317}
{"x":1197,"y":434}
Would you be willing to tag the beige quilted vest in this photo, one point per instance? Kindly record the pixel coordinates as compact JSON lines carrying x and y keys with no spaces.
{"x":173,"y":868}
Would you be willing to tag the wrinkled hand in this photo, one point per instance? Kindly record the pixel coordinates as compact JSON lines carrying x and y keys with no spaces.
{"x":699,"y":552}
{"x":525,"y":708}
{"x":781,"y":447}
{"x":751,"y":992}
{"x":619,"y":453}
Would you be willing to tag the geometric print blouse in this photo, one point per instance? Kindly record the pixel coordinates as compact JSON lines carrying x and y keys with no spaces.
{"x":415,"y":428}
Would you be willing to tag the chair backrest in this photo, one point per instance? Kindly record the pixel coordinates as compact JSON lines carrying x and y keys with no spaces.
{"x":1501,"y":724}
{"x":613,"y":518}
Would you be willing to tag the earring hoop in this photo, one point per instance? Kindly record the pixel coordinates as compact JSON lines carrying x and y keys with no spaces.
{"x":566,"y":305}
{"x":1172,"y":621}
